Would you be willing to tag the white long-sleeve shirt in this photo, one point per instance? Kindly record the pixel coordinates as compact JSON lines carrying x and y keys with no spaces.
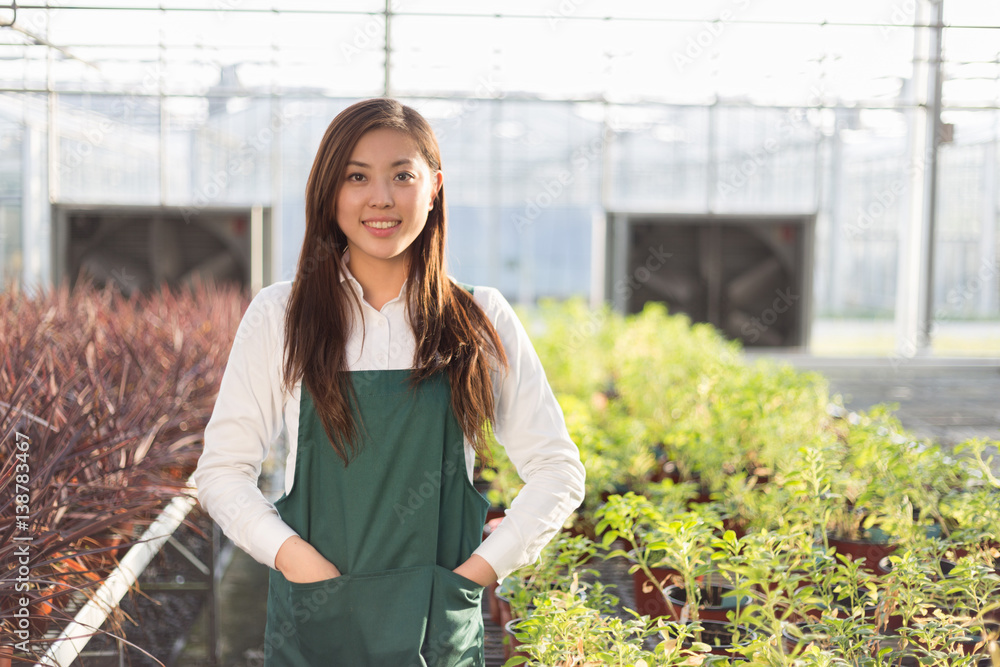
{"x":252,"y":408}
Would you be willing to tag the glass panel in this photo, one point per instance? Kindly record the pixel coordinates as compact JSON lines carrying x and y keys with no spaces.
{"x":893,"y":12}
{"x":766,"y":161}
{"x":522,"y":181}
{"x":108,"y":149}
{"x":142,"y":4}
{"x":867,"y":199}
{"x":971,"y":67}
{"x":217,"y":30}
{"x":23,"y":66}
{"x":11,"y":259}
{"x":331,"y":5}
{"x":10,"y":155}
{"x":971,"y":12}
{"x":510,"y":54}
{"x":481,"y":7}
{"x":971,"y":45}
{"x":100,"y":27}
{"x":231,"y":154}
{"x":967,"y":272}
{"x":659,"y":158}
{"x":557,"y":10}
{"x":32,"y":23}
{"x":11,"y":175}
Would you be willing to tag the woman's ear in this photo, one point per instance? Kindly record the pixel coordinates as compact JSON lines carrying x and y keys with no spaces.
{"x":438,"y":179}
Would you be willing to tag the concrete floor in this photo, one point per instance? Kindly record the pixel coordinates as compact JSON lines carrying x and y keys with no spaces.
{"x":948,"y":400}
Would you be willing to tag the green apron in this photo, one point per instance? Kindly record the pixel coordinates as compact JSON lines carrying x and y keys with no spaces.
{"x":395,"y":522}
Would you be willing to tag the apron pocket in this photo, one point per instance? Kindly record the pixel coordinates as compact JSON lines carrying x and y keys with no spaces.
{"x":455,"y":621}
{"x":374,"y":619}
{"x":460,"y":581}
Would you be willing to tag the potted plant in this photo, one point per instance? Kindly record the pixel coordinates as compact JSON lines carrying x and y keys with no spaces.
{"x":559,"y":565}
{"x":564,"y":630}
{"x":716,"y":638}
{"x":851,"y":638}
{"x":679,"y":543}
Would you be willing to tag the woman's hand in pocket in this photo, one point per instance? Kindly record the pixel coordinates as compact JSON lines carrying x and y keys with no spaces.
{"x":478,"y":570}
{"x":300,"y":562}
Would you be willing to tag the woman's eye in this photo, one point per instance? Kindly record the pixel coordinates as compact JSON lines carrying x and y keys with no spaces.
{"x":405,"y":176}
{"x":355,"y":177}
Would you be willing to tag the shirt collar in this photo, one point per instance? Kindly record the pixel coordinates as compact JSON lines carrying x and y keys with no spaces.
{"x":346,"y":275}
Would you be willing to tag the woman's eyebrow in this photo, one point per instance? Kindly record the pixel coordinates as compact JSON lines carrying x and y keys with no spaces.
{"x":397,"y":163}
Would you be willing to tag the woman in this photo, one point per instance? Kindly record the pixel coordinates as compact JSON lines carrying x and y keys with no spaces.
{"x":385,"y":374}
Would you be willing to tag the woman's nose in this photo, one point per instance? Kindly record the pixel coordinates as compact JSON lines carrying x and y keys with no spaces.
{"x":380,"y":194}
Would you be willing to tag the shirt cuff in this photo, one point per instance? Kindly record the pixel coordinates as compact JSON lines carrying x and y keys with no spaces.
{"x":501,"y":550}
{"x":268,"y":536}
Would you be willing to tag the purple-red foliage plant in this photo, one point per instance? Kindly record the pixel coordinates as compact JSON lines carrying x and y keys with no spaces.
{"x":103,"y":402}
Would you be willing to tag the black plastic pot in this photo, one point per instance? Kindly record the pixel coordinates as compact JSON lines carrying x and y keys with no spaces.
{"x":870,"y":551}
{"x":813,"y":635}
{"x":885,"y":566}
{"x":510,"y":646}
{"x":906,"y":659}
{"x":650,"y":602}
{"x":717,"y":600}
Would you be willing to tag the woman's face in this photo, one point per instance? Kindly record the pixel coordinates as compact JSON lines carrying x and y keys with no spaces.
{"x":386,"y":193}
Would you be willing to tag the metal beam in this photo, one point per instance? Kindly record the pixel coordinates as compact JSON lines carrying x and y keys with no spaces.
{"x":387,"y":89}
{"x":915,"y":285}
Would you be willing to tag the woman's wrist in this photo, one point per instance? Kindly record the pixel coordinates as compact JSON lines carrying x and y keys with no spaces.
{"x":478,"y":570}
{"x":286,"y":552}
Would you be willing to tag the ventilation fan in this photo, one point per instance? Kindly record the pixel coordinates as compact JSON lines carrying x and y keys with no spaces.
{"x":747,"y":277}
{"x":142,"y":251}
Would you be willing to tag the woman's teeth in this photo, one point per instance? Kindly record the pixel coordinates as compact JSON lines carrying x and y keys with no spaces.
{"x":383,"y":224}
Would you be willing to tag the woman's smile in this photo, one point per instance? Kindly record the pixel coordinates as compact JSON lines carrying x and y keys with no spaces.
{"x":381,"y":226}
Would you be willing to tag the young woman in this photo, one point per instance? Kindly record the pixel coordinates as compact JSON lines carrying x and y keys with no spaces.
{"x":384,"y":374}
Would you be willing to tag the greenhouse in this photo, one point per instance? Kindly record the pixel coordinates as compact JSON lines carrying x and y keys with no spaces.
{"x":697,"y":363}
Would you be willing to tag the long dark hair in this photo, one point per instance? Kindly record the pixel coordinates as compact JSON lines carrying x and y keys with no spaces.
{"x":452,"y":332}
